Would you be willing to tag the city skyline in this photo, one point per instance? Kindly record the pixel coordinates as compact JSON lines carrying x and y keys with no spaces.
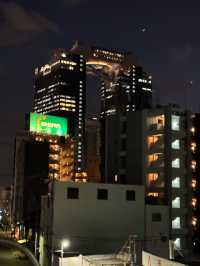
{"x":162,"y":37}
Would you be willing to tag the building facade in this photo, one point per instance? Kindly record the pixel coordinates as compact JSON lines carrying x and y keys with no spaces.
{"x":152,"y":148}
{"x":39,"y":157}
{"x":195,"y":164}
{"x":95,"y":218}
{"x":6,"y":205}
{"x":167,"y":173}
{"x":125,"y":87}
{"x":92,"y":149}
{"x":60,"y":90}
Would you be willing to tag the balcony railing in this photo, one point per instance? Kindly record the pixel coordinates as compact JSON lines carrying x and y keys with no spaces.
{"x":156,"y":127}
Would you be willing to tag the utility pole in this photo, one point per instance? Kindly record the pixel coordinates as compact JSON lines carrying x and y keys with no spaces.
{"x":133,"y":251}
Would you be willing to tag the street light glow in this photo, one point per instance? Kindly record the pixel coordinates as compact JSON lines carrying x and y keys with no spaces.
{"x":65,"y":243}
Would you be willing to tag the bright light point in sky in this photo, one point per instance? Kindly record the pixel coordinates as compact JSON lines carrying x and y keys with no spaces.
{"x":144,"y":29}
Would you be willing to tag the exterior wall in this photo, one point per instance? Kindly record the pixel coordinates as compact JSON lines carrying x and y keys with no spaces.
{"x":124,"y":148}
{"x":30,"y":173}
{"x":92,"y":145}
{"x":151,"y":151}
{"x":92,"y":225}
{"x":5,"y":204}
{"x":61,"y":85}
{"x":111,"y":147}
{"x":171,"y":124}
{"x":38,"y":159}
{"x":195,"y":204}
{"x":17,"y":210}
{"x":149,"y":259}
{"x":135,"y":148}
{"x":157,"y":230}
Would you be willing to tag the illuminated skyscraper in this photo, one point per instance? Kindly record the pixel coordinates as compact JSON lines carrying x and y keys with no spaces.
{"x":125,"y":88}
{"x":60,"y":90}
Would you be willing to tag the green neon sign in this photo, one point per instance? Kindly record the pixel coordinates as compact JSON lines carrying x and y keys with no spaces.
{"x":48,"y":124}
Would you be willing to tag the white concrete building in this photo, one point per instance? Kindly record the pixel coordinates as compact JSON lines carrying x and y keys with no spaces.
{"x":96,"y":218}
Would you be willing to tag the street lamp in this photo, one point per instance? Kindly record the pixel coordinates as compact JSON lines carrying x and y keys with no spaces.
{"x":64,"y":244}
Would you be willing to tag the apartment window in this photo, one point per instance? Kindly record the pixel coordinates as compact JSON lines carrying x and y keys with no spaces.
{"x":156,"y":217}
{"x":176,"y":203}
{"x":176,"y":144}
{"x":193,"y":165}
{"x":176,"y":163}
{"x":176,"y":182}
{"x":102,"y":194}
{"x":72,"y":193}
{"x":175,"y":124}
{"x":194,"y":183}
{"x":123,"y":127}
{"x":123,"y":179}
{"x":123,"y":162}
{"x":176,"y":223}
{"x":130,"y":195}
{"x":123,"y":145}
{"x":177,"y":243}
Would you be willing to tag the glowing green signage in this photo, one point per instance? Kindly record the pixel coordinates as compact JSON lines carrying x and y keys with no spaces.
{"x":48,"y":124}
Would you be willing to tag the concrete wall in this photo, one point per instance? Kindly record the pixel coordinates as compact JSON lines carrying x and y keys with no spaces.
{"x":92,"y":225}
{"x":157,"y":232}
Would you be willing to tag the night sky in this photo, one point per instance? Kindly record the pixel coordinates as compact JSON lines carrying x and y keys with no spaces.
{"x":164,"y":35}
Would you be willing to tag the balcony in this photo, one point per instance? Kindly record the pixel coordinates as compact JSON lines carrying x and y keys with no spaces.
{"x":155,"y":143}
{"x":156,"y":127}
{"x":157,"y":161}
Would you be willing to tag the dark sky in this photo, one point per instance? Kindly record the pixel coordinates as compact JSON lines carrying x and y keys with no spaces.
{"x":165,"y":36}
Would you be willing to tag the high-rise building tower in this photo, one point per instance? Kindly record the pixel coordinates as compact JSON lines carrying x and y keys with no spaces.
{"x":60,"y":90}
{"x":124,"y":85}
{"x":125,"y":88}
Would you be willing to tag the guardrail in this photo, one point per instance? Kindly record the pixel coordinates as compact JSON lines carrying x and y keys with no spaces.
{"x":29,"y":254}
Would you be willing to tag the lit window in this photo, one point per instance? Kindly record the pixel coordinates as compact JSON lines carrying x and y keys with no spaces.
{"x":176,"y":163}
{"x":63,"y":55}
{"x":177,"y":243}
{"x":194,"y":183}
{"x":153,"y":194}
{"x":194,"y":221}
{"x":193,"y":165}
{"x":152,"y":177}
{"x":176,"y":144}
{"x":193,"y":146}
{"x":194,"y":202}
{"x":176,"y":203}
{"x":176,"y":223}
{"x":176,"y":182}
{"x":175,"y":122}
